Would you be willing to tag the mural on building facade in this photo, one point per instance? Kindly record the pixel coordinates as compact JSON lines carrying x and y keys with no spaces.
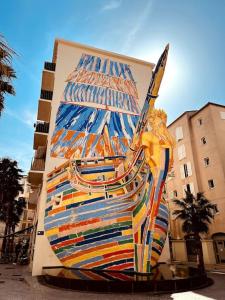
{"x":104,"y":205}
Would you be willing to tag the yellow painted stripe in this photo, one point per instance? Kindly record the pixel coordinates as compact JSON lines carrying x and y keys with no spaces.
{"x":127,"y":232}
{"x":141,"y":214}
{"x":145,"y":257}
{"x":97,"y":253}
{"x":52,"y":231}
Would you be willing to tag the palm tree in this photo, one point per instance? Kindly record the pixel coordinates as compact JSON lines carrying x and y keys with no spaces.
{"x":7,"y":73}
{"x":10,"y":208}
{"x":17,"y":211}
{"x":196,"y":214}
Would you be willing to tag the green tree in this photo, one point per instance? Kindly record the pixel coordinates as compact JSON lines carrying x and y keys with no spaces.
{"x":7,"y":73}
{"x":196,"y":214}
{"x":10,"y":208}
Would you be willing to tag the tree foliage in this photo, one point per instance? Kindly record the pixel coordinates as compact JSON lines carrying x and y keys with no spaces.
{"x":11,"y":208}
{"x":195,"y":212}
{"x":7,"y":73}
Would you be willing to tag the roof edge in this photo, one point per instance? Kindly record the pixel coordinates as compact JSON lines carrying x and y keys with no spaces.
{"x":207,"y":104}
{"x":78,"y":45}
{"x":184,"y":113}
{"x":195,"y":112}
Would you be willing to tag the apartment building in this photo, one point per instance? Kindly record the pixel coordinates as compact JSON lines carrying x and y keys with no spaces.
{"x":27,"y":217}
{"x":199,"y":166}
{"x":67,"y":59}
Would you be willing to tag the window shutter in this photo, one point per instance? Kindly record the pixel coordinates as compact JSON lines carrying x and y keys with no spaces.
{"x":182,"y":172}
{"x":181,"y":152}
{"x":179,"y":133}
{"x":192,"y":188}
{"x":184,"y":189}
{"x":222,"y":115}
{"x":189,"y":168}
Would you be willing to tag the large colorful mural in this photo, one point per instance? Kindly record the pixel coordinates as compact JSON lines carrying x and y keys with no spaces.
{"x":104,"y":207}
{"x":99,"y":110}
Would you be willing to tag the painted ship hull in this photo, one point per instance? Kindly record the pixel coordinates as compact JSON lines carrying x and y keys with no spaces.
{"x":113,"y":225}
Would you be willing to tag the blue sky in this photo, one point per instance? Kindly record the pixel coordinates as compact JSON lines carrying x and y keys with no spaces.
{"x":195,"y":30}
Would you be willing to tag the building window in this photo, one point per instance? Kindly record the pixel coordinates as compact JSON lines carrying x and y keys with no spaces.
{"x":216,"y":211}
{"x":185,"y":170}
{"x":211,"y":183}
{"x":23,"y":226}
{"x":203,"y":140}
{"x":179,"y":133}
{"x":199,"y":122}
{"x":189,"y":187}
{"x":206,"y":161}
{"x":181,"y":152}
{"x":222,"y":115}
{"x":175,"y":193}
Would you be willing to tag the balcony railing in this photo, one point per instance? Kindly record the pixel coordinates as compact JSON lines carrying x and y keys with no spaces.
{"x":50,"y":66}
{"x":40,"y":152}
{"x":46,"y":95}
{"x":41,"y":127}
{"x":38,"y":164}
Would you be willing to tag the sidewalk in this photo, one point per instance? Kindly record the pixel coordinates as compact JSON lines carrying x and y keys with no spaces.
{"x":16,"y":283}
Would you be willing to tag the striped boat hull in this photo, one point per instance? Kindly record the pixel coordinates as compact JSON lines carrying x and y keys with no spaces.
{"x":122,"y":227}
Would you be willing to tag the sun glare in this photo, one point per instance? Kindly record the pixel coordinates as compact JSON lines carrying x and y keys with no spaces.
{"x":174,"y":72}
{"x":189,"y":295}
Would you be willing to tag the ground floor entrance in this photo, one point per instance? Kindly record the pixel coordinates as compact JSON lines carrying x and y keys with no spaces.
{"x":219,"y":246}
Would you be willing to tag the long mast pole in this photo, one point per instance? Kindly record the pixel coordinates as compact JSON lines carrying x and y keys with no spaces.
{"x":151,"y":96}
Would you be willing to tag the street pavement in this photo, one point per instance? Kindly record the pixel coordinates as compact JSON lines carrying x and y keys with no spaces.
{"x":17,"y":283}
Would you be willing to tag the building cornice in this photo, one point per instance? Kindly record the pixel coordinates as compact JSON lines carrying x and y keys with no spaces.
{"x":186,"y":112}
{"x":195,"y":112}
{"x":100,"y":51}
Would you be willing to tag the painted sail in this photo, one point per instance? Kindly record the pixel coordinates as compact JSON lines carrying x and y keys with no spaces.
{"x":98,"y":112}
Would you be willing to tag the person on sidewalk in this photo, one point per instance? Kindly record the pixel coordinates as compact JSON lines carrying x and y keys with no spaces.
{"x":18,"y":250}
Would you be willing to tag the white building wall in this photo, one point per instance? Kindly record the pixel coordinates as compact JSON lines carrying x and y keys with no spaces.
{"x":68,"y":56}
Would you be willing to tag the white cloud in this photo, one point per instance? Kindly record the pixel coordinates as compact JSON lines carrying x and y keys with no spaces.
{"x":27,"y":117}
{"x":136,"y":26}
{"x":114,"y":4}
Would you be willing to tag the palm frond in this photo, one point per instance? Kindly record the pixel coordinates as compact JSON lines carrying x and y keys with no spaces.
{"x":6,"y":87}
{"x":7,"y":71}
{"x":195,"y":212}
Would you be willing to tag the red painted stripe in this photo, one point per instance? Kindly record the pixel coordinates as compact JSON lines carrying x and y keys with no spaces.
{"x":118,"y":252}
{"x":161,"y":228}
{"x":120,"y":276}
{"x":68,"y":242}
{"x":77,"y":254}
{"x":51,"y":190}
{"x":67,"y":196}
{"x":83,"y":223}
{"x":76,"y":194}
{"x":136,"y":237}
{"x":122,"y":266}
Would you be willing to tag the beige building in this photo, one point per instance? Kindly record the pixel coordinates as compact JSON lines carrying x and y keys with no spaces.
{"x":199,"y":166}
{"x":27,"y":217}
{"x":66,"y":56}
